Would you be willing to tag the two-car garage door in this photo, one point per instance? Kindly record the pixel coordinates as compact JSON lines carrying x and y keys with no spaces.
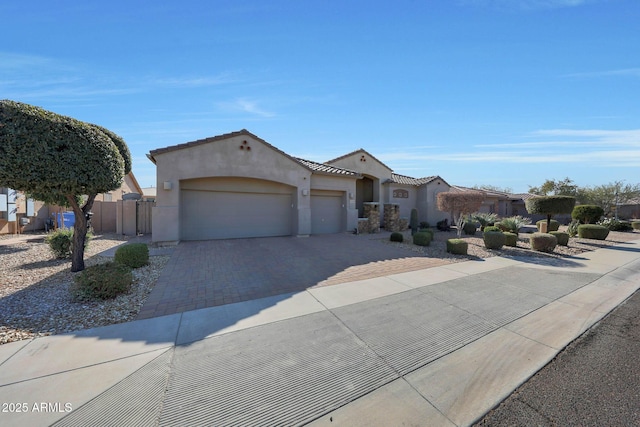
{"x":224,"y":208}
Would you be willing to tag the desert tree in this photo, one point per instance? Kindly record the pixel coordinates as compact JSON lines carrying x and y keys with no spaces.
{"x":550,"y":205}
{"x":459,"y":205}
{"x":58,"y":159}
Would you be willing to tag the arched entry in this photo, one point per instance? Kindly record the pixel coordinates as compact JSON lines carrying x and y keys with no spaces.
{"x":364,"y":193}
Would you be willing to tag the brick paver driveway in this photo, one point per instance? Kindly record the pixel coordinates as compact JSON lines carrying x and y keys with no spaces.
{"x":216,"y":272}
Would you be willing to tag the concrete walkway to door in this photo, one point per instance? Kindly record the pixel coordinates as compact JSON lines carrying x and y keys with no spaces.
{"x":209,"y":273}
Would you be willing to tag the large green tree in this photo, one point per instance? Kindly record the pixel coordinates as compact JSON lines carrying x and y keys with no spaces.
{"x":56,"y":159}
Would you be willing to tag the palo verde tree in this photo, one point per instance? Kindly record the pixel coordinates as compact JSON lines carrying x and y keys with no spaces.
{"x":459,"y":205}
{"x":57,"y":159}
{"x":550,"y":205}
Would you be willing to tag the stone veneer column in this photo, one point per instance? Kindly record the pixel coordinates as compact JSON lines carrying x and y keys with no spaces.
{"x":372,"y":213}
{"x":391,"y":217}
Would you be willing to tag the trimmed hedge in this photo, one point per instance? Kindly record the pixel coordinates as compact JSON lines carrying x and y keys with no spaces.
{"x":554,"y":226}
{"x":396,"y":237}
{"x":491,"y":228}
{"x":469,"y":228}
{"x":428,"y":231}
{"x":422,"y":239}
{"x":510,"y":239}
{"x":494,"y":239}
{"x":635,"y":225}
{"x":592,"y":231}
{"x":102,"y":281}
{"x":563,"y":238}
{"x":457,"y":246}
{"x":587,"y":214}
{"x":543,"y":242}
{"x":133,"y":255}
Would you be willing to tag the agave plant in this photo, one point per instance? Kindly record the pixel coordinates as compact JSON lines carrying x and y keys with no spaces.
{"x":484,"y":218}
{"x":514,"y":224}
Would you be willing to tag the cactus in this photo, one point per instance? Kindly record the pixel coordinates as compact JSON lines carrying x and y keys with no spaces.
{"x":413,"y":223}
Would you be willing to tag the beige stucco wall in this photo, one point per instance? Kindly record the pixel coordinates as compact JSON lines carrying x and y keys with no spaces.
{"x":405,"y":204}
{"x":428,"y":203}
{"x":224,"y":158}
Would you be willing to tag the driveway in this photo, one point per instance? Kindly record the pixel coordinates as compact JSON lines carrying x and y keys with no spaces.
{"x":216,"y":272}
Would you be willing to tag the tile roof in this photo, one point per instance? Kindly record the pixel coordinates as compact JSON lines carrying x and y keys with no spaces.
{"x":326,"y":169}
{"x":403,"y":179}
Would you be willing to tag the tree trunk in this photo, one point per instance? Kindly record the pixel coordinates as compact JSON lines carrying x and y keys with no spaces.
{"x":79,"y":232}
{"x":548,"y":222}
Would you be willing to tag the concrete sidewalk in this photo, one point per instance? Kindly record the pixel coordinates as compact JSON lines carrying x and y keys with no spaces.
{"x":440,"y":346}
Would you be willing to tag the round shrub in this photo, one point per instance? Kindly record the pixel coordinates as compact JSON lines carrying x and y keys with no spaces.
{"x":61,"y":242}
{"x":422,"y":239}
{"x":429,"y":231}
{"x":562,"y":237}
{"x":133,"y":255}
{"x":469,"y":228}
{"x":554,"y":226}
{"x":543,"y":242}
{"x":615,"y":225}
{"x":493,"y":239}
{"x":587,"y":214}
{"x":396,"y":237}
{"x":423,"y":224}
{"x":510,"y":239}
{"x":102,"y":281}
{"x":635,"y":225}
{"x":457,"y":246}
{"x":592,"y":231}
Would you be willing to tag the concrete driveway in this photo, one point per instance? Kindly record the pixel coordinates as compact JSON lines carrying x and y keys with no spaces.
{"x":209,"y":273}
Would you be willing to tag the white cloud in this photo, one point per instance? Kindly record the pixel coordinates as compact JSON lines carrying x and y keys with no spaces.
{"x":246,"y":105}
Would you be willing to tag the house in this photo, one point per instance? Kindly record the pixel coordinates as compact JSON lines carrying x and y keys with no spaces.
{"x":238,"y":185}
{"x":129,"y":185}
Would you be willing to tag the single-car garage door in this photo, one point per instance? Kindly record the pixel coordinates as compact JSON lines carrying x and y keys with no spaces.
{"x":233,"y":210}
{"x":326,"y":212}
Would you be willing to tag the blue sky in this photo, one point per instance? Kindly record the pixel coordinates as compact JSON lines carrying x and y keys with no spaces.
{"x":499,"y":92}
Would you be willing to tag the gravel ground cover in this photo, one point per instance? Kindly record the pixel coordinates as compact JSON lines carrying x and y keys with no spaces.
{"x":34,"y":286}
{"x":34,"y":290}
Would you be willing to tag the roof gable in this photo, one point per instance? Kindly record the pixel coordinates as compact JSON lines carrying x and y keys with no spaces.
{"x":327,"y":169}
{"x":360,"y":152}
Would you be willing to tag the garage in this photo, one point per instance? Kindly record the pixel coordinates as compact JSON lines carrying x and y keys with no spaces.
{"x":227,"y":208}
{"x":327,"y":212}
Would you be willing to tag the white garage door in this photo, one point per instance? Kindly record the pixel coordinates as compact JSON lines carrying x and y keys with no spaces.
{"x":326,"y":212}
{"x":230,"y":214}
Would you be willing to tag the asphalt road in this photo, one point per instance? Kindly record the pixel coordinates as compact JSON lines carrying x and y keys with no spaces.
{"x":595,"y":381}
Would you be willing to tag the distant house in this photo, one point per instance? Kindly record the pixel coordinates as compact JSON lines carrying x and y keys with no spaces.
{"x":238,"y":185}
{"x":129,"y":185}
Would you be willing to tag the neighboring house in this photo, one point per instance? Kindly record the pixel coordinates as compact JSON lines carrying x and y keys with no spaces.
{"x":15,"y":208}
{"x":502,"y":204}
{"x":129,"y":185}
{"x":149,"y":194}
{"x":238,"y":185}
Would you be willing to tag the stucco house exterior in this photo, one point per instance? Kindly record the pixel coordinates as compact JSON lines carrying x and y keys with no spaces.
{"x":238,"y":185}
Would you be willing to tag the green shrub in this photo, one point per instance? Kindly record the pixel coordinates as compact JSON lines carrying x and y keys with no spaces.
{"x":424,"y":224}
{"x":102,"y":281}
{"x":543,"y":242}
{"x":457,"y":246}
{"x":61,"y":242}
{"x":587,"y":214}
{"x":134,"y":255}
{"x":513,"y":224}
{"x":555,"y":225}
{"x":493,"y":239}
{"x":413,"y":222}
{"x":422,"y":239}
{"x":635,"y":225}
{"x":615,"y":225}
{"x":592,"y":231}
{"x":510,"y":239}
{"x":469,"y":228}
{"x":572,"y":230}
{"x":484,"y":219}
{"x":429,"y":231}
{"x":396,"y":237}
{"x":562,"y":237}
{"x":491,"y":228}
